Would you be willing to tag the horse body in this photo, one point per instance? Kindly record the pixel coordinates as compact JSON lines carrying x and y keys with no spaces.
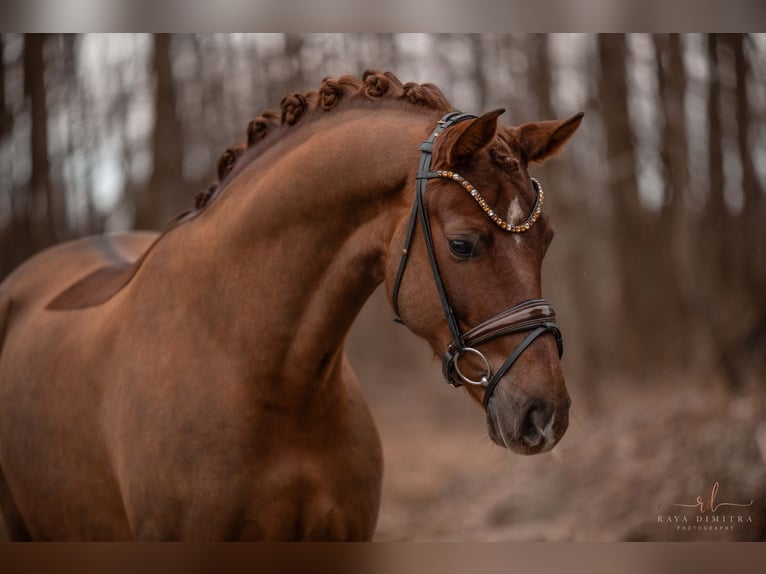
{"x":170,"y":432}
{"x":209,"y":398}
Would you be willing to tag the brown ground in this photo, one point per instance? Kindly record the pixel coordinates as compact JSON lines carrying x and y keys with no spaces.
{"x":620,"y":465}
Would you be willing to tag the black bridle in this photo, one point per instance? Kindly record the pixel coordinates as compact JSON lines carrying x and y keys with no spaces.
{"x":535,"y":316}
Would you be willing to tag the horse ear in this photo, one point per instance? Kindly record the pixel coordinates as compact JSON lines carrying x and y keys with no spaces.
{"x":540,"y":140}
{"x":476,"y":135}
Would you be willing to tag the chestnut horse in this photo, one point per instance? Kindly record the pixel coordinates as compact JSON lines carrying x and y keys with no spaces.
{"x":194,"y":386}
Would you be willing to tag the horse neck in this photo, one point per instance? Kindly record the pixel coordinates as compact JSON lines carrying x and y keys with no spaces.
{"x":280,"y":264}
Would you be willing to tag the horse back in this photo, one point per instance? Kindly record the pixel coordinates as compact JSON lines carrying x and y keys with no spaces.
{"x":53,"y":272}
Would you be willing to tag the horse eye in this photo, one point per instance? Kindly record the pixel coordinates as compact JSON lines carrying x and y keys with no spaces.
{"x":461,"y":248}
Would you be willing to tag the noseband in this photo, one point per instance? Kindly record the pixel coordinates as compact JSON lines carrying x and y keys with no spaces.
{"x":535,"y":316}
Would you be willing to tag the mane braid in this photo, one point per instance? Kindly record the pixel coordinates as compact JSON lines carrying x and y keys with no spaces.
{"x":374,"y":86}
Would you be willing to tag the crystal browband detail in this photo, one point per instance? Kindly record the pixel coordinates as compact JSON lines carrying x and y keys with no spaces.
{"x":499,"y":221}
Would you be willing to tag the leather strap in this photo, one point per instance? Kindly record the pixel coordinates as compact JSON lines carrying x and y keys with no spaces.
{"x":419,"y":213}
{"x":528,"y":340}
{"x":522,"y":317}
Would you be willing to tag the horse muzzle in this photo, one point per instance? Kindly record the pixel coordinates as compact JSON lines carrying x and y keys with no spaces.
{"x":534,"y":426}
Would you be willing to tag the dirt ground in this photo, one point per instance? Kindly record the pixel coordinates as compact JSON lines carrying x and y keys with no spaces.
{"x":621,"y":465}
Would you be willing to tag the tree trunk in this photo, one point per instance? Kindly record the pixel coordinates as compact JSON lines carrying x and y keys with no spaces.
{"x":389,"y":53}
{"x":720,"y":298}
{"x":5,"y":114}
{"x":40,"y":182}
{"x":635,"y":321}
{"x":164,"y":197}
{"x":752,"y":240}
{"x":539,"y":74}
{"x":668,"y":239}
{"x":476,"y":72}
{"x":583,"y":316}
{"x":671,"y":79}
{"x":294,"y":61}
{"x":715,"y":219}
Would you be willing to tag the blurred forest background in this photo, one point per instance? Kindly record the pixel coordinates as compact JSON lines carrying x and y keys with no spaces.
{"x":658,"y":269}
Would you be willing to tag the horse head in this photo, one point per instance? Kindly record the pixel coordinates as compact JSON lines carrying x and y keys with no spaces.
{"x":468,"y":278}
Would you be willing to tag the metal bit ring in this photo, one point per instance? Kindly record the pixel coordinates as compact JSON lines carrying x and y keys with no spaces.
{"x":484,"y":379}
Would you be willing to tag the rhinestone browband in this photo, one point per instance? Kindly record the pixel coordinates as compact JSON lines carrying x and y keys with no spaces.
{"x":499,"y":221}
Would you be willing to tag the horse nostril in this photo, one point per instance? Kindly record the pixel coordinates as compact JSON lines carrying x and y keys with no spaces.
{"x":534,"y":420}
{"x":529,"y":432}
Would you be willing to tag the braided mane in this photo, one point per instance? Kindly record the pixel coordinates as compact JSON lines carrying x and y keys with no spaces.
{"x":374,"y":85}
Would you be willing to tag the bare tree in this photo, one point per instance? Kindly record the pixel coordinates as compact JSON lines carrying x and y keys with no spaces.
{"x":35,"y":92}
{"x":669,"y":234}
{"x":582,"y":314}
{"x":389,"y":53}
{"x":715,"y":233}
{"x":745,"y":351}
{"x":165,"y":194}
{"x":539,"y":73}
{"x":628,"y":217}
{"x":716,"y":215}
{"x":293,"y":61}
{"x":752,"y":237}
{"x":477,"y":73}
{"x":5,"y":114}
